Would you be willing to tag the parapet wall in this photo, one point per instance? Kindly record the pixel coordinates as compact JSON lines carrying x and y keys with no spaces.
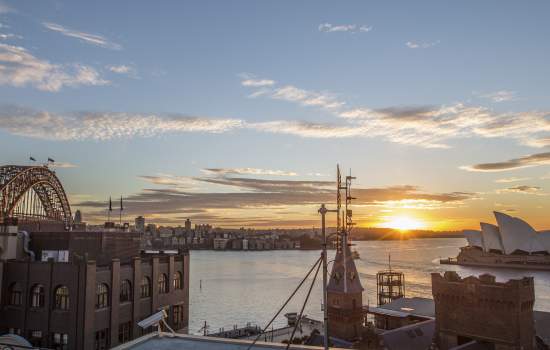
{"x":480,"y":308}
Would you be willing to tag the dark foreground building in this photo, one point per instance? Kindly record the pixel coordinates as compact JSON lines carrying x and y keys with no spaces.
{"x":497,"y":315}
{"x":87,"y":290}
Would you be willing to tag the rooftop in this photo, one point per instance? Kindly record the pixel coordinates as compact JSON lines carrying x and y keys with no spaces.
{"x":403,"y":307}
{"x":169,"y":341}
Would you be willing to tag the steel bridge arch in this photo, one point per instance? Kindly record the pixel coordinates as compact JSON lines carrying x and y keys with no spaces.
{"x":32,"y":193}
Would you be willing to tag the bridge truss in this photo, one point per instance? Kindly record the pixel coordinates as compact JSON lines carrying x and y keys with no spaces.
{"x":32,"y":193}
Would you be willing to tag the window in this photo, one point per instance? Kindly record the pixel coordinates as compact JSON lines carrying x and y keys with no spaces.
{"x":145,"y":287}
{"x":61,"y":299}
{"x":125,"y":291}
{"x":124,"y":332}
{"x":102,"y":339}
{"x":36,"y":338}
{"x":178,"y":280}
{"x":15,"y":294}
{"x":37,"y":296}
{"x":177,"y":315}
{"x":163,"y":284}
{"x":60,"y":341}
{"x":14,"y":331}
{"x":102,"y":294}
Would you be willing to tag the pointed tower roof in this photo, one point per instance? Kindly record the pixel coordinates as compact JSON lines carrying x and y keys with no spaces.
{"x":344,"y":277}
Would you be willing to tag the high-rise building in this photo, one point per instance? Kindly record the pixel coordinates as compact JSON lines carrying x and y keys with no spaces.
{"x":140,"y":224}
{"x":187,"y":225}
{"x":78,"y":217}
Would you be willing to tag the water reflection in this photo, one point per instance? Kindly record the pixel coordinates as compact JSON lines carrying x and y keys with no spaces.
{"x":240,"y":287}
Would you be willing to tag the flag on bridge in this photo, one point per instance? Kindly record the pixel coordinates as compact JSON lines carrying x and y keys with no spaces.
{"x":31,"y":158}
{"x":110,"y":204}
{"x":51,"y":160}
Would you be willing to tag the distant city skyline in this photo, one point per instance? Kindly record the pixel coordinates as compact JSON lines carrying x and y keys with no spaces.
{"x":236,"y":113}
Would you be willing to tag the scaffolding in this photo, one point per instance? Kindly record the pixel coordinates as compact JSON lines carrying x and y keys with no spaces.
{"x":390,"y":285}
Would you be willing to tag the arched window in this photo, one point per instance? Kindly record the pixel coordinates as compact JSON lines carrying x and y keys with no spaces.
{"x":125,"y":291}
{"x":145,"y":287}
{"x":37,"y":296}
{"x":102,"y":294}
{"x":15,"y":293}
{"x":61,"y":301}
{"x":178,"y":280}
{"x":163,"y":284}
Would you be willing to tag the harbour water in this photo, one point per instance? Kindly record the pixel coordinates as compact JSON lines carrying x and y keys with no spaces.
{"x":240,"y":287}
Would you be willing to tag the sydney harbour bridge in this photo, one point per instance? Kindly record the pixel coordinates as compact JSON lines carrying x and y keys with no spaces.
{"x":32,"y":193}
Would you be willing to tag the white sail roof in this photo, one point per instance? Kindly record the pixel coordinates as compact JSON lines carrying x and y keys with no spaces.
{"x":491,"y":237}
{"x":474,"y":238}
{"x":516,"y":234}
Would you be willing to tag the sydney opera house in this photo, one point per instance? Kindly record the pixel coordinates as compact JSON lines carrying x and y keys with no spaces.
{"x":510,"y":243}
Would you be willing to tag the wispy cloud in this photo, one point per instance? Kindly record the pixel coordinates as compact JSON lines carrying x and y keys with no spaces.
{"x":512,"y":179}
{"x":500,"y":96}
{"x":516,"y":163}
{"x":123,"y":69}
{"x":307,"y":129}
{"x":248,"y":199}
{"x":4,"y":8}
{"x":257,"y":82}
{"x":62,"y":165}
{"x":421,"y":45}
{"x":248,"y":171}
{"x":93,"y":39}
{"x":104,"y":126}
{"x":521,"y":189}
{"x":352,"y":28}
{"x":423,"y":126}
{"x":19,"y":68}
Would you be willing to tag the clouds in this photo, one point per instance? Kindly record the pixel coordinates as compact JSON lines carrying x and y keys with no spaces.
{"x":423,"y":126}
{"x":19,"y":68}
{"x":257,"y":82}
{"x":257,"y":201}
{"x":500,"y":96}
{"x":4,"y":8}
{"x":517,"y":163}
{"x":92,"y":39}
{"x":248,"y":171}
{"x":351,"y":28}
{"x":62,"y":165}
{"x":104,"y":126}
{"x":512,"y":179}
{"x":521,"y":189}
{"x":421,"y":45}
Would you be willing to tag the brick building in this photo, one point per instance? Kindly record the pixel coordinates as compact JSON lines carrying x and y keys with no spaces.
{"x":499,"y":315}
{"x":87,"y":290}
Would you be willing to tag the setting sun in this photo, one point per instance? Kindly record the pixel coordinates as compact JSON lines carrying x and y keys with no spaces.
{"x":404,"y":223}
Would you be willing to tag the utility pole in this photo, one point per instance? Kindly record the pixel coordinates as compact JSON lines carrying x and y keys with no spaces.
{"x":323,"y":210}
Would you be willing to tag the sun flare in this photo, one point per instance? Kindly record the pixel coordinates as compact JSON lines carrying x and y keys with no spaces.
{"x":404,"y":223}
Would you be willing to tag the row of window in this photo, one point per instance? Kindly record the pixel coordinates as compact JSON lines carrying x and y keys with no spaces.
{"x":102,"y":291}
{"x":61,"y":296}
{"x":61,"y":293}
{"x":59,"y":341}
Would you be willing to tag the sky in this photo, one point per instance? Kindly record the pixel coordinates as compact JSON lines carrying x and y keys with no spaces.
{"x":235,"y":113}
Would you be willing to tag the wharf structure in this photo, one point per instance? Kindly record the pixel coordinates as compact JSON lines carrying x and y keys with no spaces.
{"x":62,"y":287}
{"x":512,"y":243}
